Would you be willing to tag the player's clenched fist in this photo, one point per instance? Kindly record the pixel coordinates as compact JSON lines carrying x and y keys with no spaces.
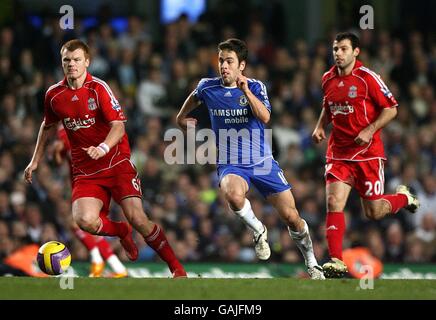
{"x":318,"y":135}
{"x":28,"y":172}
{"x":95,"y":152}
{"x":365,"y":136}
{"x":184,"y":123}
{"x":241,"y":82}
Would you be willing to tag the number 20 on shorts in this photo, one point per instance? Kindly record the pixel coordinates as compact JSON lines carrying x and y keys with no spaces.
{"x":374,"y":189}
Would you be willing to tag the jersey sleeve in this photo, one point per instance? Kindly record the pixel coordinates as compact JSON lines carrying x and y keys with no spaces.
{"x":379,"y":92}
{"x":198,"y":92}
{"x":110,"y":106}
{"x":49,"y":116}
{"x":326,"y":109}
{"x":259,"y":90}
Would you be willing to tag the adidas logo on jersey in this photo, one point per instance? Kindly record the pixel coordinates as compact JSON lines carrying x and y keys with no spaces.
{"x":74,"y":98}
{"x":341,"y":84}
{"x":228,"y":94}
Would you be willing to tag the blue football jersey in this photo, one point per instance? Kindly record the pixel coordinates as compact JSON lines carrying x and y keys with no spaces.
{"x":241,"y":138}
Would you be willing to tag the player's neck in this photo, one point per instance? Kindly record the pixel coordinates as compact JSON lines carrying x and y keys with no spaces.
{"x":76,"y":83}
{"x":347,"y":70}
{"x":230,"y":85}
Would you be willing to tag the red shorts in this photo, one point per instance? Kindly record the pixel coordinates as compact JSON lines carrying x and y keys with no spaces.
{"x":367,"y":177}
{"x":120,"y":182}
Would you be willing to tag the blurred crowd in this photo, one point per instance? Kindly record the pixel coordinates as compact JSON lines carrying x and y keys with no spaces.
{"x":152,"y":75}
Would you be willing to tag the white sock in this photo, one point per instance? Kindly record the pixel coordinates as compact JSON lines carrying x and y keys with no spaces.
{"x":247,"y":216}
{"x":116,"y":264}
{"x":95,"y":255}
{"x":304,"y":243}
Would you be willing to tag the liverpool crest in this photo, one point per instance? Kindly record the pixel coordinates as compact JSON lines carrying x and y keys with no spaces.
{"x":353,"y":92}
{"x":91,"y":104}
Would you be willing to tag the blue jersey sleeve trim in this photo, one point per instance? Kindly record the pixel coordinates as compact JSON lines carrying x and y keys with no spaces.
{"x":259,"y":90}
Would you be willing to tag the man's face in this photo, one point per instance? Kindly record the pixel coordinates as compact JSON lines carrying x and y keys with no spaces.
{"x":74,"y":63}
{"x":229,"y":67}
{"x":343,"y":53}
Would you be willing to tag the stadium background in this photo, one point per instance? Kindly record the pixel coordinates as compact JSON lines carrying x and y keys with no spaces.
{"x":152,"y":62}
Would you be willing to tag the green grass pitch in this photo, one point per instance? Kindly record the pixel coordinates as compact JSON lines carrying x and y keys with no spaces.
{"x":207,"y":288}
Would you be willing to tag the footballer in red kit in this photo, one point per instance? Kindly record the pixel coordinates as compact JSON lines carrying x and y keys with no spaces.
{"x":100,"y":156}
{"x":357,"y":104}
{"x":87,"y":122}
{"x":99,"y":248}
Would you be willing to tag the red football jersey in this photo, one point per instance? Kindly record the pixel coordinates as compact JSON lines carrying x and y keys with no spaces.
{"x":352,"y":102}
{"x":62,"y":135}
{"x":86,"y":114}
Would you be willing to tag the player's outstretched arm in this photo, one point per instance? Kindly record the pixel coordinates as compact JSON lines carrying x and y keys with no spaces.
{"x":318,"y":134}
{"x":383,"y":119}
{"x":45,"y":132}
{"x":190,"y":104}
{"x":257,"y":107}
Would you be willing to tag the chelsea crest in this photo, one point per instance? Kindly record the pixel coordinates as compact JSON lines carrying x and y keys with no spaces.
{"x":243,"y":101}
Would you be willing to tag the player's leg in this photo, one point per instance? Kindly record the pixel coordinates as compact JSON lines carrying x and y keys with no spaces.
{"x":339,"y":176}
{"x":89,"y":198}
{"x":126,"y":191}
{"x":105,"y":251}
{"x":234,"y":188}
{"x":90,"y":211}
{"x":270,"y":181}
{"x":337,"y":193}
{"x":87,"y":239}
{"x":86,"y":211}
{"x":370,"y":186}
{"x":90,"y":243}
{"x":104,"y":248}
{"x":390,"y":204}
{"x":153,"y":234}
{"x":284,"y":203}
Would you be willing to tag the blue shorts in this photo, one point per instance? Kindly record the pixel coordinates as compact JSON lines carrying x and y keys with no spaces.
{"x":268,"y":180}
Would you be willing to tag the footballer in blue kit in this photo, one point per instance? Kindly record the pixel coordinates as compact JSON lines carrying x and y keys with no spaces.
{"x":239,"y":109}
{"x":247,"y":155}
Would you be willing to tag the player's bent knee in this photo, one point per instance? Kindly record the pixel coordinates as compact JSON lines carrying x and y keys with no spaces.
{"x":333,"y":203}
{"x":236,"y":205}
{"x":139,"y":221}
{"x":88,"y":224}
{"x":235,"y":201}
{"x":291,"y":217}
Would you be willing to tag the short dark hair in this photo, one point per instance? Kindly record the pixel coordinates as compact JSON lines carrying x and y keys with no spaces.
{"x":76,"y":44}
{"x":354,"y":39}
{"x":236,"y":45}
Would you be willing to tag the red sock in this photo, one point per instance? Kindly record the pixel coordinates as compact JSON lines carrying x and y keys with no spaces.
{"x":335,"y":229}
{"x":112,"y":228}
{"x":105,"y":248}
{"x":158,"y":241}
{"x":397,"y":201}
{"x":86,"y":238}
